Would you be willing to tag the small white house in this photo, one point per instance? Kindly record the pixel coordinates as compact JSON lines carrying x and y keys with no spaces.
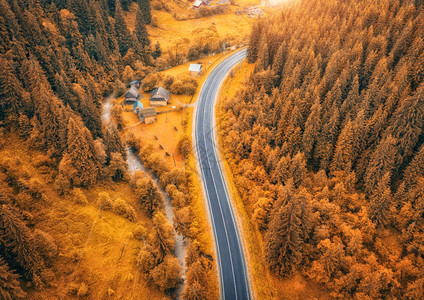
{"x":195,"y":69}
{"x":199,"y":3}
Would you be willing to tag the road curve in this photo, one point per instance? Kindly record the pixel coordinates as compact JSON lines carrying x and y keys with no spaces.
{"x":232,"y":268}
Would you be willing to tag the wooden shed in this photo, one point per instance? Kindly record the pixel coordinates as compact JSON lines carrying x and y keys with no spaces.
{"x":199,"y":3}
{"x":195,"y":69}
{"x":148,"y":115}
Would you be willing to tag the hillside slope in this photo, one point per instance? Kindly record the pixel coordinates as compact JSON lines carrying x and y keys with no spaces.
{"x":325,"y":141}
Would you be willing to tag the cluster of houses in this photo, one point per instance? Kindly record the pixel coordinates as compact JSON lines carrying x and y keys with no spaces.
{"x":158,"y":97}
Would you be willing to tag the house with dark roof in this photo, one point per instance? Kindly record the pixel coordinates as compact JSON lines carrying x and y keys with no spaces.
{"x":147,"y":115}
{"x":159,"y":97}
{"x":133,"y":94}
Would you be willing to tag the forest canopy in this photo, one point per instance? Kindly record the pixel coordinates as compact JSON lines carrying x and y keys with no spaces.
{"x":326,"y":143}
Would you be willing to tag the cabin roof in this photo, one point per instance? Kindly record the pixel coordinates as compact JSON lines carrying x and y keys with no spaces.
{"x":148,"y":112}
{"x":133,"y":92}
{"x":159,"y":94}
{"x":195,"y":68}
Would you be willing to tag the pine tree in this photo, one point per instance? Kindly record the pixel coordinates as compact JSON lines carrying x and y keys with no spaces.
{"x":255,"y":37}
{"x":79,"y":164}
{"x":285,"y":238}
{"x":144,"y":6}
{"x":381,"y":201}
{"x":11,"y":101}
{"x":17,"y":245}
{"x":123,"y":35}
{"x":312,"y":129}
{"x":118,"y":167}
{"x":278,"y":63}
{"x":142,"y":36}
{"x":352,"y":101}
{"x":113,"y":141}
{"x":382,"y":162}
{"x":149,"y":196}
{"x":327,"y":139}
{"x":158,"y":51}
{"x":81,"y":10}
{"x":344,"y":151}
{"x":10,"y":287}
{"x":298,"y":168}
{"x":163,"y":236}
{"x":408,"y":121}
{"x":50,"y":118}
{"x":415,"y":168}
{"x":282,"y":171}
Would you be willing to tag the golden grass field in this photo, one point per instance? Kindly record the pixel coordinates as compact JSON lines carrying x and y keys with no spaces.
{"x":170,"y":31}
{"x":95,"y":248}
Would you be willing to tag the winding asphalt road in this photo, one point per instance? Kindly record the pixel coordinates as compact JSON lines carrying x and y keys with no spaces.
{"x":231,"y":262}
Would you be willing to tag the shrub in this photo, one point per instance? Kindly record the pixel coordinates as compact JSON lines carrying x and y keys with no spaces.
{"x":35,"y":188}
{"x":167,"y":275}
{"x":145,"y":259}
{"x":122,"y":208}
{"x":117,"y":115}
{"x":73,"y":288}
{"x":119,"y":88}
{"x":83,"y":289}
{"x":155,"y":4}
{"x":155,"y":22}
{"x":184,"y":146}
{"x":149,"y":82}
{"x":137,"y":175}
{"x":79,"y":196}
{"x":169,"y":80}
{"x":156,"y":164}
{"x":104,"y":201}
{"x":140,"y":232}
{"x":186,"y":86}
{"x":110,"y":292}
{"x":146,"y":151}
{"x":45,"y":246}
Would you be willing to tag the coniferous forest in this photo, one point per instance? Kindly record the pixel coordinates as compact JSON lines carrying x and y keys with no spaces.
{"x":73,"y":222}
{"x":326,"y":142}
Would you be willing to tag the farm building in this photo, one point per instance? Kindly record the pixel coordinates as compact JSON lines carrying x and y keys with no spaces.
{"x":137,"y":107}
{"x":133,"y":94}
{"x":195,"y":69}
{"x":199,"y":3}
{"x":147,"y":115}
{"x":159,"y":97}
{"x":136,"y":82}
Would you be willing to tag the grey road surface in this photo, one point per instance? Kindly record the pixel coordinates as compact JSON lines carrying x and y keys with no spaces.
{"x":231,"y":261}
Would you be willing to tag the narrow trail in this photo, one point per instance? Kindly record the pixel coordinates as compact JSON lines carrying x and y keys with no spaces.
{"x":134,"y":164}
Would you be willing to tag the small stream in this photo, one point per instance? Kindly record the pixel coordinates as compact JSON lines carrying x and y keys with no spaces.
{"x":134,"y":163}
